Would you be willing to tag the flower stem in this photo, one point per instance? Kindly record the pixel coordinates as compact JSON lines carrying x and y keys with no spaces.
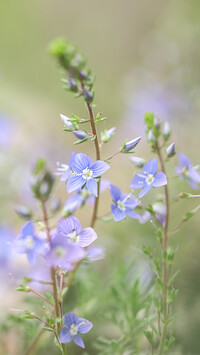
{"x":164,"y":247}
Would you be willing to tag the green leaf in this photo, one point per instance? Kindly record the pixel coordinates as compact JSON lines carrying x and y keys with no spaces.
{"x":48,"y":328}
{"x":79,"y":141}
{"x":188,"y":215}
{"x":173,"y":277}
{"x":49,"y":297}
{"x":149,"y":336}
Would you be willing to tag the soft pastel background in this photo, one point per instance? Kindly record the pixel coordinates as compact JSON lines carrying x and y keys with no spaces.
{"x":145,"y":55}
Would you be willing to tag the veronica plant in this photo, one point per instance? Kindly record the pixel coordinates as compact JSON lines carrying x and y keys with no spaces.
{"x":64,"y":245}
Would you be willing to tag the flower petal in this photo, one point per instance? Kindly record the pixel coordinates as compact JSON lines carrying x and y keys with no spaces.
{"x":74,"y":183}
{"x":66,"y":174}
{"x":65,"y":336}
{"x":84,"y":325}
{"x":194,"y":175}
{"x":68,"y":225}
{"x":115,"y":193}
{"x":31,"y":257}
{"x":130,"y":202}
{"x":86,"y":237}
{"x":160,"y":179}
{"x":133,"y":214}
{"x":70,"y":318}
{"x":79,"y":341}
{"x":81,"y":162}
{"x":151,"y":167}
{"x":144,"y":190}
{"x":28,"y":229}
{"x":92,"y":187}
{"x":117,"y":213}
{"x":183,"y":160}
{"x":99,"y":167}
{"x":138,"y":181}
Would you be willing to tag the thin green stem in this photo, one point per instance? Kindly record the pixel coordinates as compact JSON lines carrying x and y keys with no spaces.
{"x":41,"y":296}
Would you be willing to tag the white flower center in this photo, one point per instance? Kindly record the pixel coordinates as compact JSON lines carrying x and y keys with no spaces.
{"x":149,"y":179}
{"x":87,"y":173}
{"x":120,"y":205}
{"x":59,"y":252}
{"x":73,"y":236}
{"x":73,"y":330}
{"x":30,"y":242}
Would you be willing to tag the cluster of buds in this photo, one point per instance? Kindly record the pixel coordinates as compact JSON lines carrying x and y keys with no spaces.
{"x":42,"y":181}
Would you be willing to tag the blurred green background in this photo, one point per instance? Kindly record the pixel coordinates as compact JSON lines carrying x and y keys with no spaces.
{"x":145,"y":55}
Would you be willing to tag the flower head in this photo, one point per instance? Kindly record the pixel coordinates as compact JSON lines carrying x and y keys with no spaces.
{"x":149,"y":177}
{"x":85,"y":173}
{"x":62,"y":253}
{"x":123,"y":204}
{"x":186,"y":171}
{"x":71,"y":228}
{"x":29,"y":243}
{"x":74,"y":326}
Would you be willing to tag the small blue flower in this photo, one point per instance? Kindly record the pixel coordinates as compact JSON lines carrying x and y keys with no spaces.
{"x":65,"y":170}
{"x":74,"y":326}
{"x":80,"y":134}
{"x":148,"y":178}
{"x":123,"y":204}
{"x":71,"y":228}
{"x":186,"y":171}
{"x":29,"y":243}
{"x":85,"y":172}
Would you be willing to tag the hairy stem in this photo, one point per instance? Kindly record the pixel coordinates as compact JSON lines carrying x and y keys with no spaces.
{"x":164,"y":247}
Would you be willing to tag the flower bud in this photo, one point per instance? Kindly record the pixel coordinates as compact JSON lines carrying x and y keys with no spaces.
{"x":166,"y":130}
{"x":131,"y":144}
{"x":72,"y":85}
{"x":171,"y":150}
{"x":107,"y":134}
{"x":156,"y":123}
{"x":67,"y":122}
{"x":55,"y":205}
{"x":88,"y":95}
{"x":42,"y":181}
{"x":80,"y":134}
{"x":24,"y":212}
{"x":151,"y":138}
{"x":139,"y":162}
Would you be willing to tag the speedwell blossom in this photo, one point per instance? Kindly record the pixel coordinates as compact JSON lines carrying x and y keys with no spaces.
{"x":62,"y":253}
{"x":123,"y":204}
{"x":29,"y":243}
{"x":65,"y":170}
{"x":186,"y":171}
{"x":71,"y":228}
{"x":149,"y":177}
{"x":74,"y":326}
{"x":85,"y":172}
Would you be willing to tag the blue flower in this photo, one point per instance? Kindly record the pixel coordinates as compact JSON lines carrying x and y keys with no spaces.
{"x":73,"y":327}
{"x":29,"y":243}
{"x":62,"y":253}
{"x":123,"y":204}
{"x":71,"y":228}
{"x":65,"y":170}
{"x":148,"y":178}
{"x":186,"y":171}
{"x":85,"y":172}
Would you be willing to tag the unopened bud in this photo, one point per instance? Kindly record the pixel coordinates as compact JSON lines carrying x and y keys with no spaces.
{"x":88,"y":95}
{"x":67,"y":122}
{"x":130,"y":145}
{"x":151,"y":138}
{"x":166,"y":130}
{"x":24,"y":212}
{"x":107,"y":134}
{"x":171,"y":150}
{"x":80,"y":134}
{"x":139,"y":162}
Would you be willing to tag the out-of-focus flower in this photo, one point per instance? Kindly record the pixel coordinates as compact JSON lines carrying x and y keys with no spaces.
{"x":166,"y":130}
{"x":186,"y":171}
{"x":62,"y":253}
{"x":123,"y":204}
{"x":74,"y":326}
{"x":67,"y":122}
{"x":171,"y":150}
{"x":95,"y":253}
{"x":71,"y":228}
{"x":29,"y":243}
{"x":139,"y":162}
{"x":148,"y":178}
{"x":85,"y":172}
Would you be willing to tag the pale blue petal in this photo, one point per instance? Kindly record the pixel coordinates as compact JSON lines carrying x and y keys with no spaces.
{"x":78,"y":341}
{"x":115,"y":193}
{"x":92,"y":187}
{"x":183,"y":160}
{"x":159,"y":179}
{"x":131,"y":202}
{"x":65,"y":336}
{"x":151,"y":167}
{"x":68,"y":225}
{"x":99,"y":167}
{"x":133,"y":214}
{"x":81,"y":162}
{"x":84,"y":325}
{"x":28,"y":229}
{"x":70,"y":318}
{"x":117,"y":213}
{"x":74,"y":183}
{"x":86,"y":237}
{"x":138,"y":182}
{"x":144,"y":190}
{"x":194,"y":175}
{"x":31,"y":257}
{"x":66,"y":174}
